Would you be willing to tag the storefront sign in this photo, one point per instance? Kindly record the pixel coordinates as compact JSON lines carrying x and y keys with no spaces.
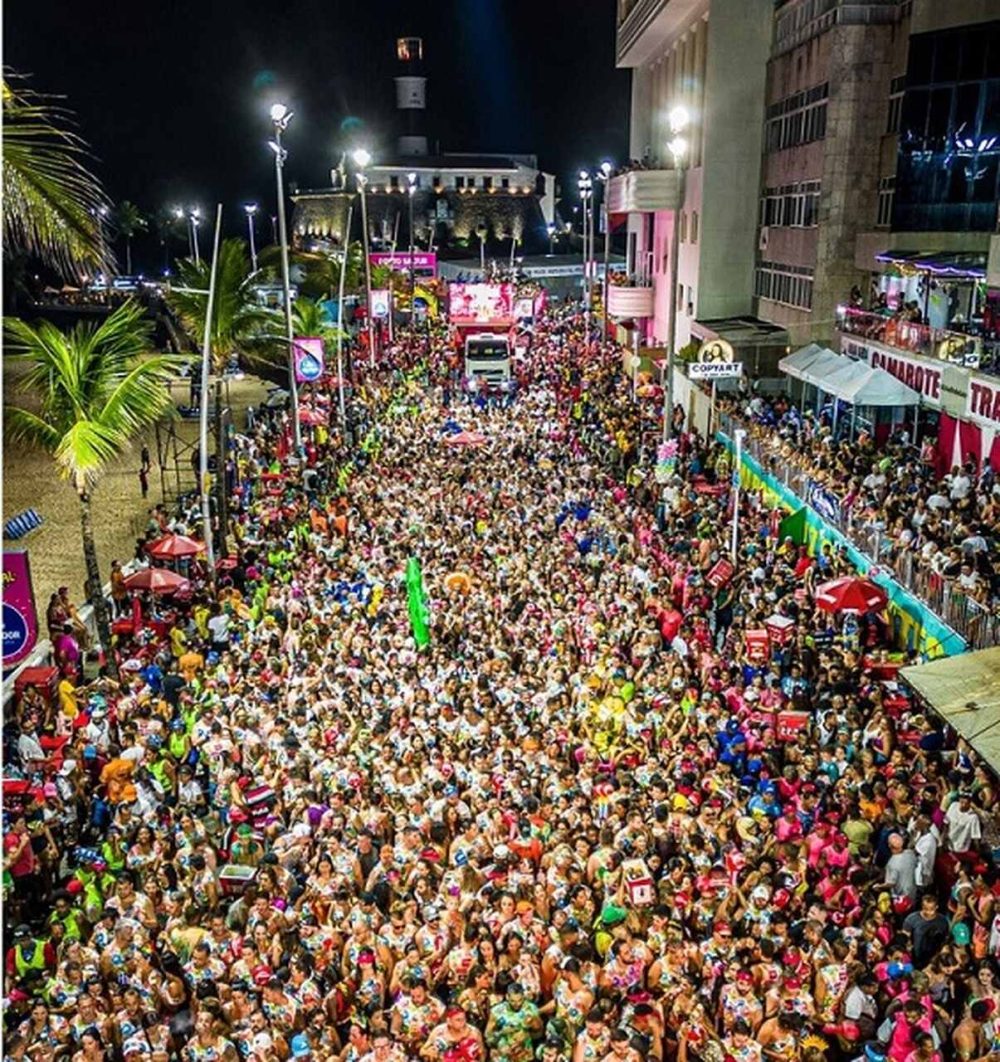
{"x":983,"y":401}
{"x":715,"y":370}
{"x":922,"y":376}
{"x":309,"y":358}
{"x":20,"y":623}
{"x":716,"y":350}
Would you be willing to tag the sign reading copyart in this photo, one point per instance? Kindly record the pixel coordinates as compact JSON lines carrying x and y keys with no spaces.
{"x":983,"y":401}
{"x":20,"y":623}
{"x":715,"y":370}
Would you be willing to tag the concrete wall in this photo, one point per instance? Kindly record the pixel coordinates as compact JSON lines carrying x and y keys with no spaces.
{"x":930,"y":15}
{"x":739,"y":37}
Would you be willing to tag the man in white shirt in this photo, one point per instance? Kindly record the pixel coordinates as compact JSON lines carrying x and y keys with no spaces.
{"x":926,"y":845}
{"x":960,"y":485}
{"x":964,"y":826}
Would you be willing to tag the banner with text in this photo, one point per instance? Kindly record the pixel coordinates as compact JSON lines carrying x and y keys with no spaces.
{"x":20,"y":621}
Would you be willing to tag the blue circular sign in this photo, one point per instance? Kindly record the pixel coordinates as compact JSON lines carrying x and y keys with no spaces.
{"x":310,"y":367}
{"x":15,"y":632}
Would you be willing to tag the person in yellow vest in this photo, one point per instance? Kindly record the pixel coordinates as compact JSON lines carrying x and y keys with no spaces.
{"x":28,"y":960}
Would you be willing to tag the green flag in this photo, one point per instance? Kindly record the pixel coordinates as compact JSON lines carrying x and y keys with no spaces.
{"x":794,"y":524}
{"x":417,"y":602}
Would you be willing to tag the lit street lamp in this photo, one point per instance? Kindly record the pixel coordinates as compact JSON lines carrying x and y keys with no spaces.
{"x":251,"y":210}
{"x":678,"y":148}
{"x":280,"y":117}
{"x":606,"y":171}
{"x":586,"y":186}
{"x":361,"y":159}
{"x":195,"y":218}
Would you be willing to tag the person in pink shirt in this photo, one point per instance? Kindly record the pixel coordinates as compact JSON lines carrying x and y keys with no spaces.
{"x":787,"y":826}
{"x":907,"y":1025}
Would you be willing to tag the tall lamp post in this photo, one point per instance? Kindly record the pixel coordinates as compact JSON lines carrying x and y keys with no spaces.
{"x":179,"y":215}
{"x":603,"y":176}
{"x":251,"y":210}
{"x":195,"y":218}
{"x":678,"y":148}
{"x":551,"y":230}
{"x":280,"y":117}
{"x":411,"y":191}
{"x":586,"y":187}
{"x":361,"y":159}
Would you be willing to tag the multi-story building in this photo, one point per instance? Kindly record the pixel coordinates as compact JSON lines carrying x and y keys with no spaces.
{"x":709,"y":57}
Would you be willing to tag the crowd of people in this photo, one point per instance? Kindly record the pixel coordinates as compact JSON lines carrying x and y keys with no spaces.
{"x":543,"y":802}
{"x":933,"y":529}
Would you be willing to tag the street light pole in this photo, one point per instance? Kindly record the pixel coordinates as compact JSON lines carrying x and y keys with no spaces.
{"x":606,"y":170}
{"x":195,"y":217}
{"x":340,"y":318}
{"x":411,"y":191}
{"x":586,"y":185}
{"x":551,"y":230}
{"x":739,"y":434}
{"x":678,"y":149}
{"x":251,"y":209}
{"x":280,"y":117}
{"x":361,"y":160}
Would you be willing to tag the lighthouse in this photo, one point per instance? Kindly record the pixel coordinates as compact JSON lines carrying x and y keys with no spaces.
{"x":411,"y":97}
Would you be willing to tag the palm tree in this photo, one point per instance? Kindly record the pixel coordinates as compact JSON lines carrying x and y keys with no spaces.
{"x":310,"y":319}
{"x":98,"y":387}
{"x":318,"y":273}
{"x":240,"y":326}
{"x":128,"y":220}
{"x":52,"y":203}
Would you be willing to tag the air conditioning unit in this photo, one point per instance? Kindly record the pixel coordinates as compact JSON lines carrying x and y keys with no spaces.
{"x":765,"y":233}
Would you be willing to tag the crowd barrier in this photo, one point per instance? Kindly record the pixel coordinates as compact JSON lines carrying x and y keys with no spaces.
{"x":915,"y":625}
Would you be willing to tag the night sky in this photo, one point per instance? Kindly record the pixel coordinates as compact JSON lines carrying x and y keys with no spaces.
{"x":173,"y":97}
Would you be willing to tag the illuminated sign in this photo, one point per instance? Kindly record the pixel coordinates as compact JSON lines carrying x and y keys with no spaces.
{"x":481,"y":304}
{"x":20,"y":623}
{"x":309,"y":358}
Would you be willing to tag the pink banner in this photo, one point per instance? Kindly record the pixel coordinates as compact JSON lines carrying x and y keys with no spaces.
{"x":20,"y":622}
{"x":309,"y":358}
{"x":481,"y":304}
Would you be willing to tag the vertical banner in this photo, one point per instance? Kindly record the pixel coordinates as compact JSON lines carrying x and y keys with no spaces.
{"x":20,"y":621}
{"x":309,"y":358}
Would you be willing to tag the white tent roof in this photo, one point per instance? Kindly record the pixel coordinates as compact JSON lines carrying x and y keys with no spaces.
{"x":879,"y":388}
{"x":844,"y":378}
{"x":810,"y":364}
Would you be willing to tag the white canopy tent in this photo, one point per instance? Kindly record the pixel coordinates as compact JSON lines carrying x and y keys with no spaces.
{"x":846,"y":380}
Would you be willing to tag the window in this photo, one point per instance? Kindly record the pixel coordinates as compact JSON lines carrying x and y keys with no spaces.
{"x":504,"y":182}
{"x":394,"y":183}
{"x":895,"y":104}
{"x":437,"y":180}
{"x":680,"y":298}
{"x":797,"y":119}
{"x":459,"y":182}
{"x":787,"y":284}
{"x":487,"y":182}
{"x":791,"y":205}
{"x":694,"y":226}
{"x":886,"y":194}
{"x":683,"y":226}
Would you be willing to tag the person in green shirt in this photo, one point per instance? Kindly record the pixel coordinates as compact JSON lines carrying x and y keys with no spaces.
{"x":513,"y":1026}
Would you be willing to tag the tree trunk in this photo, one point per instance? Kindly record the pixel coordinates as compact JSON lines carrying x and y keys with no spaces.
{"x":94,"y":583}
{"x":221,"y":492}
{"x":128,"y":255}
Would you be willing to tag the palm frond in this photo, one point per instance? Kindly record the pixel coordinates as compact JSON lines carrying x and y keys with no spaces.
{"x":21,"y":425}
{"x":51,"y":200}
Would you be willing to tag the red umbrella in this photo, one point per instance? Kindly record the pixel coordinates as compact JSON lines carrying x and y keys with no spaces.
{"x":171,"y":546}
{"x":851,"y":594}
{"x":466,"y":438}
{"x":157,"y":580}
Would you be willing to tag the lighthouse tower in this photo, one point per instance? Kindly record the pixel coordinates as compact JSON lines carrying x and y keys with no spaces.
{"x":411,"y":96}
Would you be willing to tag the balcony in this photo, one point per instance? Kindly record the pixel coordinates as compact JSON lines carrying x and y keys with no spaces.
{"x":634,"y":300}
{"x":643,"y":192}
{"x":965,"y":349}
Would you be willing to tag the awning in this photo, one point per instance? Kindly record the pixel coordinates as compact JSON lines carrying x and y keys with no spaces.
{"x":811,"y":364}
{"x":880,"y":388}
{"x":959,"y":265}
{"x":965,"y":691}
{"x":849,"y":380}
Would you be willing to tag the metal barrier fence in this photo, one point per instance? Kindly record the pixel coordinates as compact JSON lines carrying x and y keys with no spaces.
{"x":976,"y":622}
